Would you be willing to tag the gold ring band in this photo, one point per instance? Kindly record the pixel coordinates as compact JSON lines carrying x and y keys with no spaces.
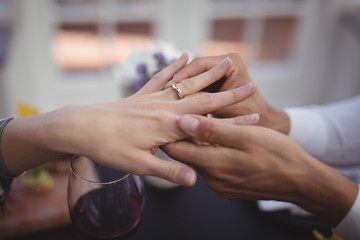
{"x":177,"y":90}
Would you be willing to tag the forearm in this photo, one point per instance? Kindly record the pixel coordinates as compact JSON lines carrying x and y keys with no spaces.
{"x":26,"y":142}
{"x":325,"y":192}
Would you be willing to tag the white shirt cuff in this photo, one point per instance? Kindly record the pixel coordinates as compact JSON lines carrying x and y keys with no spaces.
{"x":349,"y":228}
{"x":309,"y":129}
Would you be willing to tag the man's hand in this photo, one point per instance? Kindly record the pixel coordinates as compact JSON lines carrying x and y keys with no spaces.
{"x":252,"y":162}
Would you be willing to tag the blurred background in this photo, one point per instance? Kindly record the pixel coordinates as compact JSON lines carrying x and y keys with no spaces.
{"x":59,"y":52}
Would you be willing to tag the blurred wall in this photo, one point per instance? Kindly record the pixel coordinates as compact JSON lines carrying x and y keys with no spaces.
{"x":323,"y":67}
{"x":327,"y":57}
{"x":343,"y":72}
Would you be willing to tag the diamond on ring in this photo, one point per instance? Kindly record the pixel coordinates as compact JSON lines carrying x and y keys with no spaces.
{"x":177,"y":90}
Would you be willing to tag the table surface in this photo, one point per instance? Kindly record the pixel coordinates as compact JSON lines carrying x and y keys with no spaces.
{"x":197,"y":213}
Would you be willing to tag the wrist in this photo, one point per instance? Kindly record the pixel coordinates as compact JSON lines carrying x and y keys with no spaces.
{"x":325,"y":192}
{"x":275,"y":119}
{"x":59,"y":130}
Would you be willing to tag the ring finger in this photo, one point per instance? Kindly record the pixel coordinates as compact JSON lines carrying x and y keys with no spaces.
{"x":199,"y":82}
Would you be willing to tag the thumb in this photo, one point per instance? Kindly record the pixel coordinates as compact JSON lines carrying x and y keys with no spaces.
{"x":213,"y":130}
{"x":198,"y":127}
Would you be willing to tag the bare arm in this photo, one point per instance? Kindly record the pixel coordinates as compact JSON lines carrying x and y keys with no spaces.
{"x":24,"y":142}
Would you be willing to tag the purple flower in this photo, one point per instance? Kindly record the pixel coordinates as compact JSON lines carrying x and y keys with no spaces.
{"x":141,"y":69}
{"x":160,"y":58}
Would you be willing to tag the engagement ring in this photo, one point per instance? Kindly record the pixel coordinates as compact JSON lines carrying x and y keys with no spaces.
{"x":177,"y":90}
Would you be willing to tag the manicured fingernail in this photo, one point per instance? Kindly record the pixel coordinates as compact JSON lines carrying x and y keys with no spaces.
{"x":252,"y":118}
{"x":183,"y":55}
{"x":189,"y":123}
{"x":249,"y":85}
{"x":187,"y":178}
{"x":225,"y":62}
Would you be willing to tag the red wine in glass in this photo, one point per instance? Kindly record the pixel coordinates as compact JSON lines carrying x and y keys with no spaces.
{"x":96,"y":220}
{"x":105,"y":209}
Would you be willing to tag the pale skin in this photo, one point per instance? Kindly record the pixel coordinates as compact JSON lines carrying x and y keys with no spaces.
{"x":123,"y":134}
{"x":256,"y":162}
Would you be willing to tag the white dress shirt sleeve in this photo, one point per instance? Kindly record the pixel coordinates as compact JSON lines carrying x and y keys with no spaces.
{"x":331,"y":133}
{"x":349,"y":227}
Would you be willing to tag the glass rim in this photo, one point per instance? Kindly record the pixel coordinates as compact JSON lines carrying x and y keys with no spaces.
{"x":74,"y":157}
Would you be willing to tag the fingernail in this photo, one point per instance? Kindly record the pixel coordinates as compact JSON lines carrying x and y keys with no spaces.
{"x":252,"y":118}
{"x":182,"y":56}
{"x":189,"y":123}
{"x":188,"y":178}
{"x":249,"y":85}
{"x":225,"y":62}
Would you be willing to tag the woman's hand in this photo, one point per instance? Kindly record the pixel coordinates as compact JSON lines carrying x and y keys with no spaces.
{"x":237,"y":76}
{"x":124,"y":134}
{"x":252,"y":162}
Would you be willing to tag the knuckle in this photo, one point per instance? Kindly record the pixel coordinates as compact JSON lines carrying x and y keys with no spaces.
{"x":209,"y":135}
{"x":209,"y":132}
{"x":208,"y":101}
{"x":155,"y":105}
{"x":171,"y":171}
{"x":165,"y":117}
{"x":186,"y":85}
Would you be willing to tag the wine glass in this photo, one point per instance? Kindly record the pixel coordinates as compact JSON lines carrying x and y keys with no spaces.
{"x":104,"y":203}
